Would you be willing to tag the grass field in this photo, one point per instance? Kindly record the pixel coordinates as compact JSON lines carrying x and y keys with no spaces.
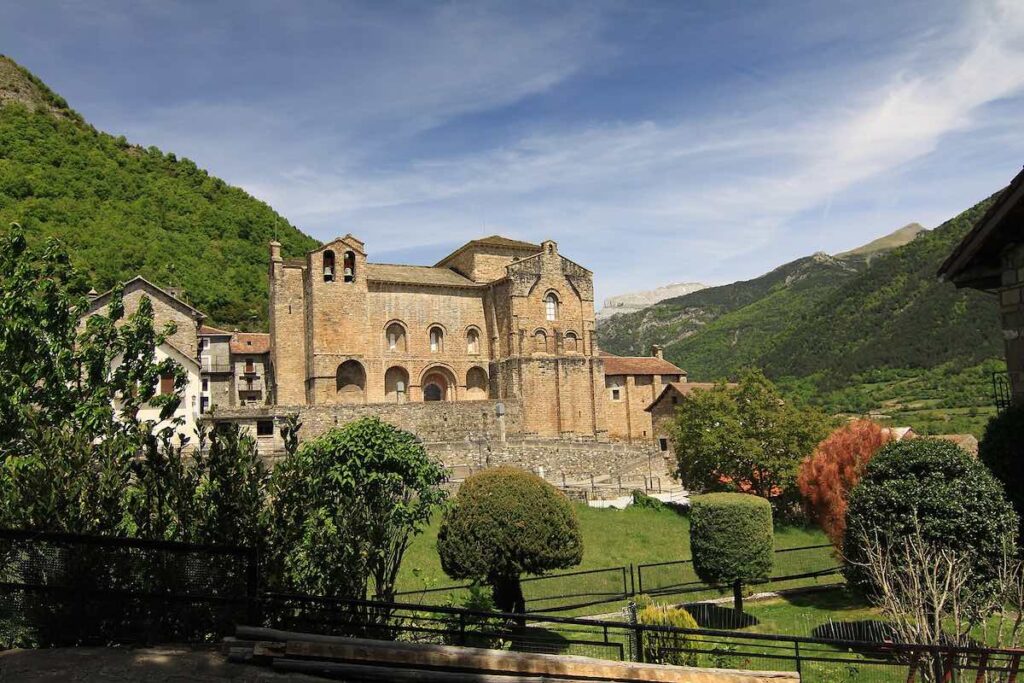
{"x":610,"y":538}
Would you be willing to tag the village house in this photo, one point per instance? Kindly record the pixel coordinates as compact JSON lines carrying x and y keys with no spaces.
{"x":991,"y":258}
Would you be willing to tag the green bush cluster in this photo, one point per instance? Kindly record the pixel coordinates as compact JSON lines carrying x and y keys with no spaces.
{"x":1002,"y":451}
{"x":505,"y":522}
{"x":938,"y":487}
{"x":731,"y":538}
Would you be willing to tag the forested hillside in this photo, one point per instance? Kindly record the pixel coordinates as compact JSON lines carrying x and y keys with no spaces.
{"x":881,"y":336}
{"x":124,"y":210}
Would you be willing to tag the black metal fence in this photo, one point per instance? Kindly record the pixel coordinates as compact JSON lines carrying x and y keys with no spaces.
{"x":567,"y":591}
{"x":817,"y":660}
{"x":60,"y":589}
{"x":77,"y":589}
{"x":792,"y":568}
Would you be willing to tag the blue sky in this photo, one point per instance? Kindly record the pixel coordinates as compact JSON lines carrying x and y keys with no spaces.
{"x":657,"y":142}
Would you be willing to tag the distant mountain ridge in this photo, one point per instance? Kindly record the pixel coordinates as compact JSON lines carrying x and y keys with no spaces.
{"x":636,"y":301}
{"x":897,"y":238}
{"x":124,"y":210}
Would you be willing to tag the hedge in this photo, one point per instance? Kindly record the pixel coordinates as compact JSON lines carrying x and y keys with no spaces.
{"x":731,"y":538}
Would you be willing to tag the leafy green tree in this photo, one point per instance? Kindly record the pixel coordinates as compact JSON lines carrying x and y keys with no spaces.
{"x":732,"y":540}
{"x":74,"y":454}
{"x":744,"y":438}
{"x":935,"y":491}
{"x":505,"y":522}
{"x":345,"y":507}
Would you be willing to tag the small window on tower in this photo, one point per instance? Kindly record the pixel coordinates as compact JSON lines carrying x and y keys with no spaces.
{"x":264,"y":428}
{"x":663,"y":444}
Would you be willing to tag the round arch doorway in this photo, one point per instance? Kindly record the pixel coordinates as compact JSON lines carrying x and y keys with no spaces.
{"x":438,"y":385}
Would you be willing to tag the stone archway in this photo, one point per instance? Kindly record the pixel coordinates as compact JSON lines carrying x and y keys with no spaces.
{"x":350,"y":382}
{"x":476,"y":384}
{"x":396,"y":385}
{"x":438,"y":384}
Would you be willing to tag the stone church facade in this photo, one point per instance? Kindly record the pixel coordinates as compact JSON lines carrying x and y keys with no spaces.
{"x":496,"y":319}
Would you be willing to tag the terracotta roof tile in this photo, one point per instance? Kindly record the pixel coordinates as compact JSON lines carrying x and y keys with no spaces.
{"x":684,"y":388}
{"x":493,"y":241}
{"x":638,"y":365}
{"x":416,"y":275}
{"x":250,"y":342}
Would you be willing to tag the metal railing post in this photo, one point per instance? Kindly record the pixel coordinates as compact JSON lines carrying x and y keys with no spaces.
{"x":796,"y":651}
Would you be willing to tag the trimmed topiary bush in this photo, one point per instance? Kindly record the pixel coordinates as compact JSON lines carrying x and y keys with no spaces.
{"x":505,"y":522}
{"x":731,"y":540}
{"x":664,"y":647}
{"x":938,"y":487}
{"x":1002,"y":450}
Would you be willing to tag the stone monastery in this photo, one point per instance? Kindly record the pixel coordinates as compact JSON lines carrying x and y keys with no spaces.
{"x":494,"y":344}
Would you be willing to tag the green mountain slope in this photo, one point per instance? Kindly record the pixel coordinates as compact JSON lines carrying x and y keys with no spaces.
{"x":748,"y":308}
{"x":895,"y":314}
{"x":871,"y":331}
{"x":124,"y":210}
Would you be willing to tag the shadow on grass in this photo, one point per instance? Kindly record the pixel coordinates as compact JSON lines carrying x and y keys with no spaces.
{"x":865,"y":631}
{"x":710,"y":615}
{"x":542,"y":640}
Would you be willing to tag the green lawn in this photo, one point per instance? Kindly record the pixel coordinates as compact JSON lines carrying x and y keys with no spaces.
{"x":610,"y":538}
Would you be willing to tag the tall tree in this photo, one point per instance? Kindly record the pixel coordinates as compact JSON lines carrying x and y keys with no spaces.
{"x":744,"y":438}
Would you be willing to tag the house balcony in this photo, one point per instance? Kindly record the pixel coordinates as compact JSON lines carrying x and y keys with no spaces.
{"x":212,"y":367}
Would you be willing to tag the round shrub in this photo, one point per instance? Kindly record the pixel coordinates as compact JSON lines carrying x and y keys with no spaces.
{"x":937,"y":487}
{"x":665,"y":647}
{"x":1002,"y":450}
{"x":731,"y":538}
{"x":505,"y":522}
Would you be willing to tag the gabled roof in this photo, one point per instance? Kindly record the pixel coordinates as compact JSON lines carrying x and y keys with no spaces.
{"x":492,"y":241}
{"x":638,"y":365}
{"x":139,"y":282}
{"x":975,"y":261}
{"x":683,"y":388}
{"x":208,"y":331}
{"x":250,"y":342}
{"x":416,"y":275}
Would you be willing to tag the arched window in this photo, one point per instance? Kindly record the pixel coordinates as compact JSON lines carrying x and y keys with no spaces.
{"x":551,"y":306}
{"x":350,"y":382}
{"x":350,"y":266}
{"x":476,"y":384}
{"x":540,"y":341}
{"x":328,"y":266}
{"x":436,"y":339}
{"x":396,"y":385}
{"x":571,"y":343}
{"x":473,"y":342}
{"x":395,"y":337}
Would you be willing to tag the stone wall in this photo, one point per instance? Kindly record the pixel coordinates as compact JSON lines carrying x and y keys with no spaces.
{"x":432,"y":422}
{"x":467,"y":433}
{"x":627,"y":416}
{"x":573,"y":459}
{"x":1011,"y":300}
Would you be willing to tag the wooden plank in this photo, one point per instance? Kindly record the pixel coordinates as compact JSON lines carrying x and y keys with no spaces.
{"x":466,"y":659}
{"x":364,"y":672}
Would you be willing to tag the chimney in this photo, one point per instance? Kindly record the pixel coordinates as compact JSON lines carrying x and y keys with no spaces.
{"x":657,"y":350}
{"x":275,"y":251}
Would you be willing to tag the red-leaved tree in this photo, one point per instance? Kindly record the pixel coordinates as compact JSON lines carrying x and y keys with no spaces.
{"x":830,"y":473}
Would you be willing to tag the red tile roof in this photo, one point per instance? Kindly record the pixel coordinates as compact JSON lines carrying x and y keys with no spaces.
{"x":638,"y":365}
{"x":250,"y":342}
{"x":684,"y":388}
